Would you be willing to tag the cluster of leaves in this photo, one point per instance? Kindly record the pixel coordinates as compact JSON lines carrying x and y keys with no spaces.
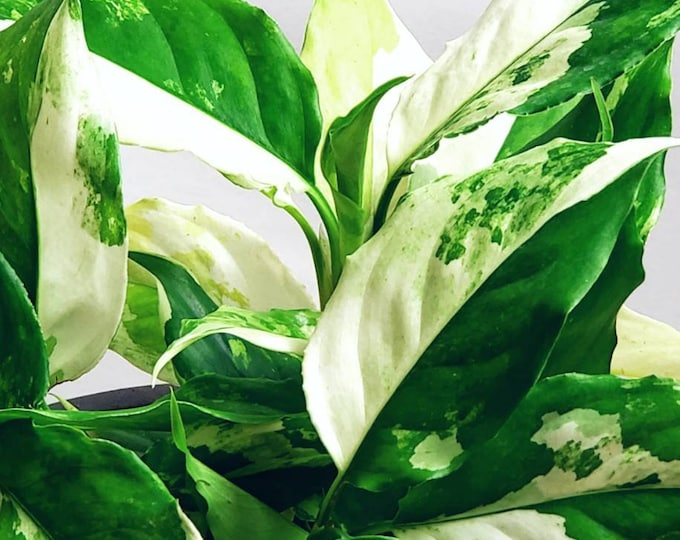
{"x":462,"y":375}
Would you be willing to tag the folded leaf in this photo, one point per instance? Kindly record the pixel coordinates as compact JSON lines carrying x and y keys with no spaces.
{"x":232,"y":513}
{"x":225,"y":355}
{"x":276,"y":330}
{"x":80,"y":254}
{"x":510,"y":63}
{"x":572,"y":436}
{"x":24,"y":368}
{"x":375,"y":329}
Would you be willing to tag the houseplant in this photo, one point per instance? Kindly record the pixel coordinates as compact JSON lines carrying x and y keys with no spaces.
{"x":456,"y":375}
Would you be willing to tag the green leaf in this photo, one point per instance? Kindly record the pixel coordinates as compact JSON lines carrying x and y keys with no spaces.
{"x":572,"y":436}
{"x":51,"y":92}
{"x":24,"y":368}
{"x":233,"y":265}
{"x":524,"y":66}
{"x":607,"y":126}
{"x":343,"y":162}
{"x":208,"y":75}
{"x":232,"y":512}
{"x":458,"y":234}
{"x":225,"y":355}
{"x":95,"y":488}
{"x":645,"y":347}
{"x":284,"y":331}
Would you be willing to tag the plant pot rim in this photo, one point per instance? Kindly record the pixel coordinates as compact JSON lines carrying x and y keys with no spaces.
{"x":122,"y":398}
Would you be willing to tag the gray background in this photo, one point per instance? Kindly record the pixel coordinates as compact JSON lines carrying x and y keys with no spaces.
{"x":184,"y":179}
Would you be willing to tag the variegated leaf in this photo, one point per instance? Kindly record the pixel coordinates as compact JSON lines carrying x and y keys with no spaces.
{"x":80,"y":253}
{"x":368,"y":46}
{"x":572,"y":436}
{"x":275,"y":330}
{"x":645,"y":347}
{"x":444,"y":240}
{"x":508,"y":62}
{"x":234,"y":265}
{"x":232,"y":512}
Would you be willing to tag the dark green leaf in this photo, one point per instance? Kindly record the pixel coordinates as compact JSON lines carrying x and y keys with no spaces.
{"x":75,"y":487}
{"x":219,"y":354}
{"x":225,"y":57}
{"x":343,"y":160}
{"x":24,"y":369}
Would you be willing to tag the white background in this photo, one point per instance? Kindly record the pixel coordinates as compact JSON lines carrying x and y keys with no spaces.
{"x":184,"y":179}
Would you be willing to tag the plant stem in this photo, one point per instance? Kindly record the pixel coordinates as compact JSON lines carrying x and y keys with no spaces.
{"x":333,"y":230}
{"x":323,"y":275}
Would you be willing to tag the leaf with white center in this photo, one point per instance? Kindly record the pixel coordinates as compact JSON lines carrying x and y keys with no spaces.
{"x":234,"y":265}
{"x":275,"y":330}
{"x":366,"y":44}
{"x":645,"y":347}
{"x":232,"y":512}
{"x":514,"y":525}
{"x":24,"y":368}
{"x":217,"y":78}
{"x":508,"y":62}
{"x":444,"y":240}
{"x":72,"y":263}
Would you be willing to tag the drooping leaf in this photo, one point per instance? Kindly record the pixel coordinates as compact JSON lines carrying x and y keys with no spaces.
{"x":24,"y":369}
{"x":69,"y":486}
{"x":224,"y":355}
{"x":507,"y":62}
{"x":232,"y":512}
{"x":276,"y":330}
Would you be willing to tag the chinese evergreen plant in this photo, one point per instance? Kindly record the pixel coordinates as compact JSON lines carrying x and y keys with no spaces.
{"x":468,"y":371}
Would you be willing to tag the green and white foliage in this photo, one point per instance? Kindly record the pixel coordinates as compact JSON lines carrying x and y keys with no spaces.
{"x":458,"y":234}
{"x":468,"y":373}
{"x":645,"y":347}
{"x":67,"y":240}
{"x":233,"y":265}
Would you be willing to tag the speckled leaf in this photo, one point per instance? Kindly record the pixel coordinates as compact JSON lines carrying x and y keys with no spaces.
{"x":221,"y":354}
{"x":645,"y":347}
{"x":375,"y":330}
{"x":472,"y":376}
{"x":233,"y":265}
{"x":216,"y":77}
{"x":285,"y":331}
{"x":508,"y":62}
{"x":232,"y":512}
{"x":96,"y":489}
{"x":24,"y":368}
{"x":572,"y":436}
{"x":587,"y":341}
{"x":80,"y":254}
